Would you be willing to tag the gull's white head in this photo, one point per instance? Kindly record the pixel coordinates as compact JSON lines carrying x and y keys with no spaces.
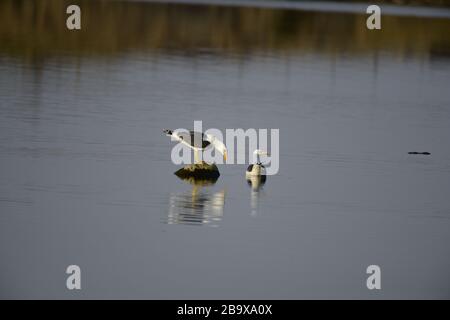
{"x":259,"y":152}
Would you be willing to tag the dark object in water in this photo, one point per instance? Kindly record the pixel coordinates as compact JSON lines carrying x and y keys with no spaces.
{"x":200,"y":171}
{"x":201,"y":182}
{"x":423,"y":153}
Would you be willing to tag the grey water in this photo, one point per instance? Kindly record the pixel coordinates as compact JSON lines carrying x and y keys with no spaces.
{"x":86,"y":176}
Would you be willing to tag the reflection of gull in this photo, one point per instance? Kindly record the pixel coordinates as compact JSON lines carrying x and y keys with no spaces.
{"x":256,"y":183}
{"x":197,"y":207}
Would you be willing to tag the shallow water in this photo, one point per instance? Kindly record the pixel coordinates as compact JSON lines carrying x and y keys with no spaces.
{"x":86,"y":176}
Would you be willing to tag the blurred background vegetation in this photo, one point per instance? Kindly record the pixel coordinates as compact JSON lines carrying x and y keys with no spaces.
{"x":37,"y":30}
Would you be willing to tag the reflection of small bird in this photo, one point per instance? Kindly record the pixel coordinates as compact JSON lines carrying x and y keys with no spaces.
{"x":256,"y":183}
{"x":198,"y":141}
{"x":256,"y":169}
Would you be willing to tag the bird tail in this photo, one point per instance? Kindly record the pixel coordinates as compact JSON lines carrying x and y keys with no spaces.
{"x":168,"y":132}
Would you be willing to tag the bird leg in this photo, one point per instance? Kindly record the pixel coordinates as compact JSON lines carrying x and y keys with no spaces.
{"x":197,"y":158}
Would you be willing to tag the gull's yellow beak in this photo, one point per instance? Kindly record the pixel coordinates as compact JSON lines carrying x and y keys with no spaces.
{"x":224,"y":156}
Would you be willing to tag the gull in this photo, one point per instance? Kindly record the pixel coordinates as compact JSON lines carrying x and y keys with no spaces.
{"x":198,"y":141}
{"x":256,"y":169}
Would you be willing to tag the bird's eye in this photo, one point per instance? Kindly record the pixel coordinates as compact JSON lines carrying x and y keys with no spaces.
{"x":181,"y":138}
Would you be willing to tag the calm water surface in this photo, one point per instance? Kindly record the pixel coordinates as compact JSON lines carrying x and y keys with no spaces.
{"x":86,"y":176}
